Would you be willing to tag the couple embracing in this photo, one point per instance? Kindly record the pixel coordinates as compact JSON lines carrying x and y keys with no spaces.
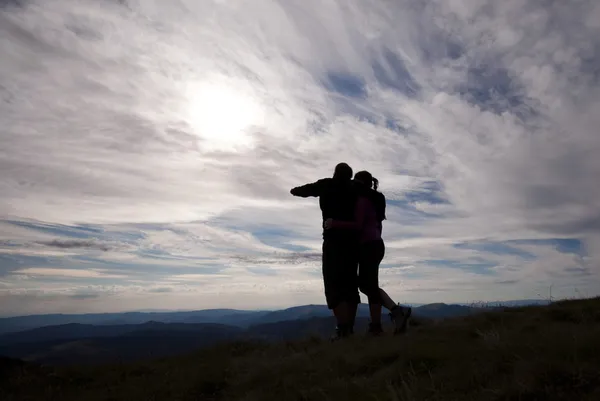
{"x":353,"y":211}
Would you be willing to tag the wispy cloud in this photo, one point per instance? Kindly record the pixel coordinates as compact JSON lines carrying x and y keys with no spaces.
{"x":46,"y":271}
{"x":154,"y":145}
{"x":68,"y":244}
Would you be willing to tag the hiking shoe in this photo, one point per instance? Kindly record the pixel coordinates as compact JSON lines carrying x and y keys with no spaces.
{"x":400,"y":316}
{"x":374,"y":330}
{"x":341,"y":333}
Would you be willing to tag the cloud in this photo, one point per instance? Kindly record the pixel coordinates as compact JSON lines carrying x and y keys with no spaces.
{"x":75,"y":244}
{"x":158,"y":142}
{"x":89,"y":273}
{"x":159,"y":290}
{"x":83,"y":296}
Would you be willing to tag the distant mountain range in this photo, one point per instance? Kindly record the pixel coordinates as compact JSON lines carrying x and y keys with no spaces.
{"x":90,"y":344}
{"x":103,"y":338}
{"x":232,"y":317}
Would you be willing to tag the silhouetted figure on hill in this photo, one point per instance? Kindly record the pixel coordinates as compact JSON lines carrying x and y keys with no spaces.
{"x":369,"y":216}
{"x":337,"y":200}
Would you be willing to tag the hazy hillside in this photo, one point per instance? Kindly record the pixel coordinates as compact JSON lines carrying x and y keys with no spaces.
{"x":77,"y":344}
{"x":80,"y":331}
{"x":74,"y":343}
{"x":92,"y":344}
{"x":230,"y":317}
{"x":150,"y":342}
{"x":545,"y":353}
{"x":297,"y":312}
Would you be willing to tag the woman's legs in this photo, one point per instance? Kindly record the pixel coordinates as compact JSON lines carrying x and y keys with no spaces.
{"x":372,"y":254}
{"x":386,"y":300}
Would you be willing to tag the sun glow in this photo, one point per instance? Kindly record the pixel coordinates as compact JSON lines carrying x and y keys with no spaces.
{"x":222,"y":116}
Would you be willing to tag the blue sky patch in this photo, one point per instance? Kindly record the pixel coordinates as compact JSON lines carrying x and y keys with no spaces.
{"x":438,"y":45}
{"x":346,"y":85}
{"x":431,"y":192}
{"x":492,"y":88}
{"x":496,"y":248}
{"x":10,"y":263}
{"x":278,"y":238}
{"x":262,"y":271}
{"x":579,"y":271}
{"x":12,"y":3}
{"x":481,"y":267}
{"x":391,"y":72}
{"x":56,"y":229}
{"x":564,"y":245}
{"x":410,"y":215}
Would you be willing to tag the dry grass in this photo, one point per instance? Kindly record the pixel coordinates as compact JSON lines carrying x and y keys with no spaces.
{"x":531,"y":353}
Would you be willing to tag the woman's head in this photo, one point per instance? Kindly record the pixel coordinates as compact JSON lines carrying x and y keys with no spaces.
{"x":367,"y":179}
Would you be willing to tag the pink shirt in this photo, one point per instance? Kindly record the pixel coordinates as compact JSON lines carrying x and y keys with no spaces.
{"x":365,"y":221}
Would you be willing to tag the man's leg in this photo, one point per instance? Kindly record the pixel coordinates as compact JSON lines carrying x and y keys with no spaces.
{"x":334,"y":288}
{"x":343,"y":316}
{"x":354,"y":297}
{"x":348,"y":278}
{"x":353,"y":311}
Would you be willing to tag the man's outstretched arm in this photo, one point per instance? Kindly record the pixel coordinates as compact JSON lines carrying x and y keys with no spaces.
{"x":313,"y":189}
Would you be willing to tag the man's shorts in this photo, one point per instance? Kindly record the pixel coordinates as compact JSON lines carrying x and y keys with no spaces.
{"x":340,"y":271}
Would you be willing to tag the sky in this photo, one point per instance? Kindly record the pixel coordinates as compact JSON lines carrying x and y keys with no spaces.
{"x":147,"y":148}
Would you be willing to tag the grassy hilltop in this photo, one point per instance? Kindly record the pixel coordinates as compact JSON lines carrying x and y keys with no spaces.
{"x":527,"y":353}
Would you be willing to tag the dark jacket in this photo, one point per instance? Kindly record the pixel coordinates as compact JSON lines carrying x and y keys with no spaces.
{"x":337,"y":200}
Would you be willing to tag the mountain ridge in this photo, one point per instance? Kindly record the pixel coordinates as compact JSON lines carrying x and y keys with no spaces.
{"x":235,"y":317}
{"x":76,"y":342}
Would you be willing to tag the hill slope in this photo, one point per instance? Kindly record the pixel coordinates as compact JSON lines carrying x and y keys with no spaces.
{"x":76,"y":343}
{"x":532,"y":353}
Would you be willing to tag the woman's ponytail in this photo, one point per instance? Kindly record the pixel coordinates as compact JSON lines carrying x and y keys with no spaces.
{"x":375,"y":183}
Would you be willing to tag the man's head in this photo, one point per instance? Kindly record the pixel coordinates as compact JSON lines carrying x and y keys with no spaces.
{"x":343,"y":172}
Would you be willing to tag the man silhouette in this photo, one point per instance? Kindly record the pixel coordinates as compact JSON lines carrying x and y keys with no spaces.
{"x":337,"y":200}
